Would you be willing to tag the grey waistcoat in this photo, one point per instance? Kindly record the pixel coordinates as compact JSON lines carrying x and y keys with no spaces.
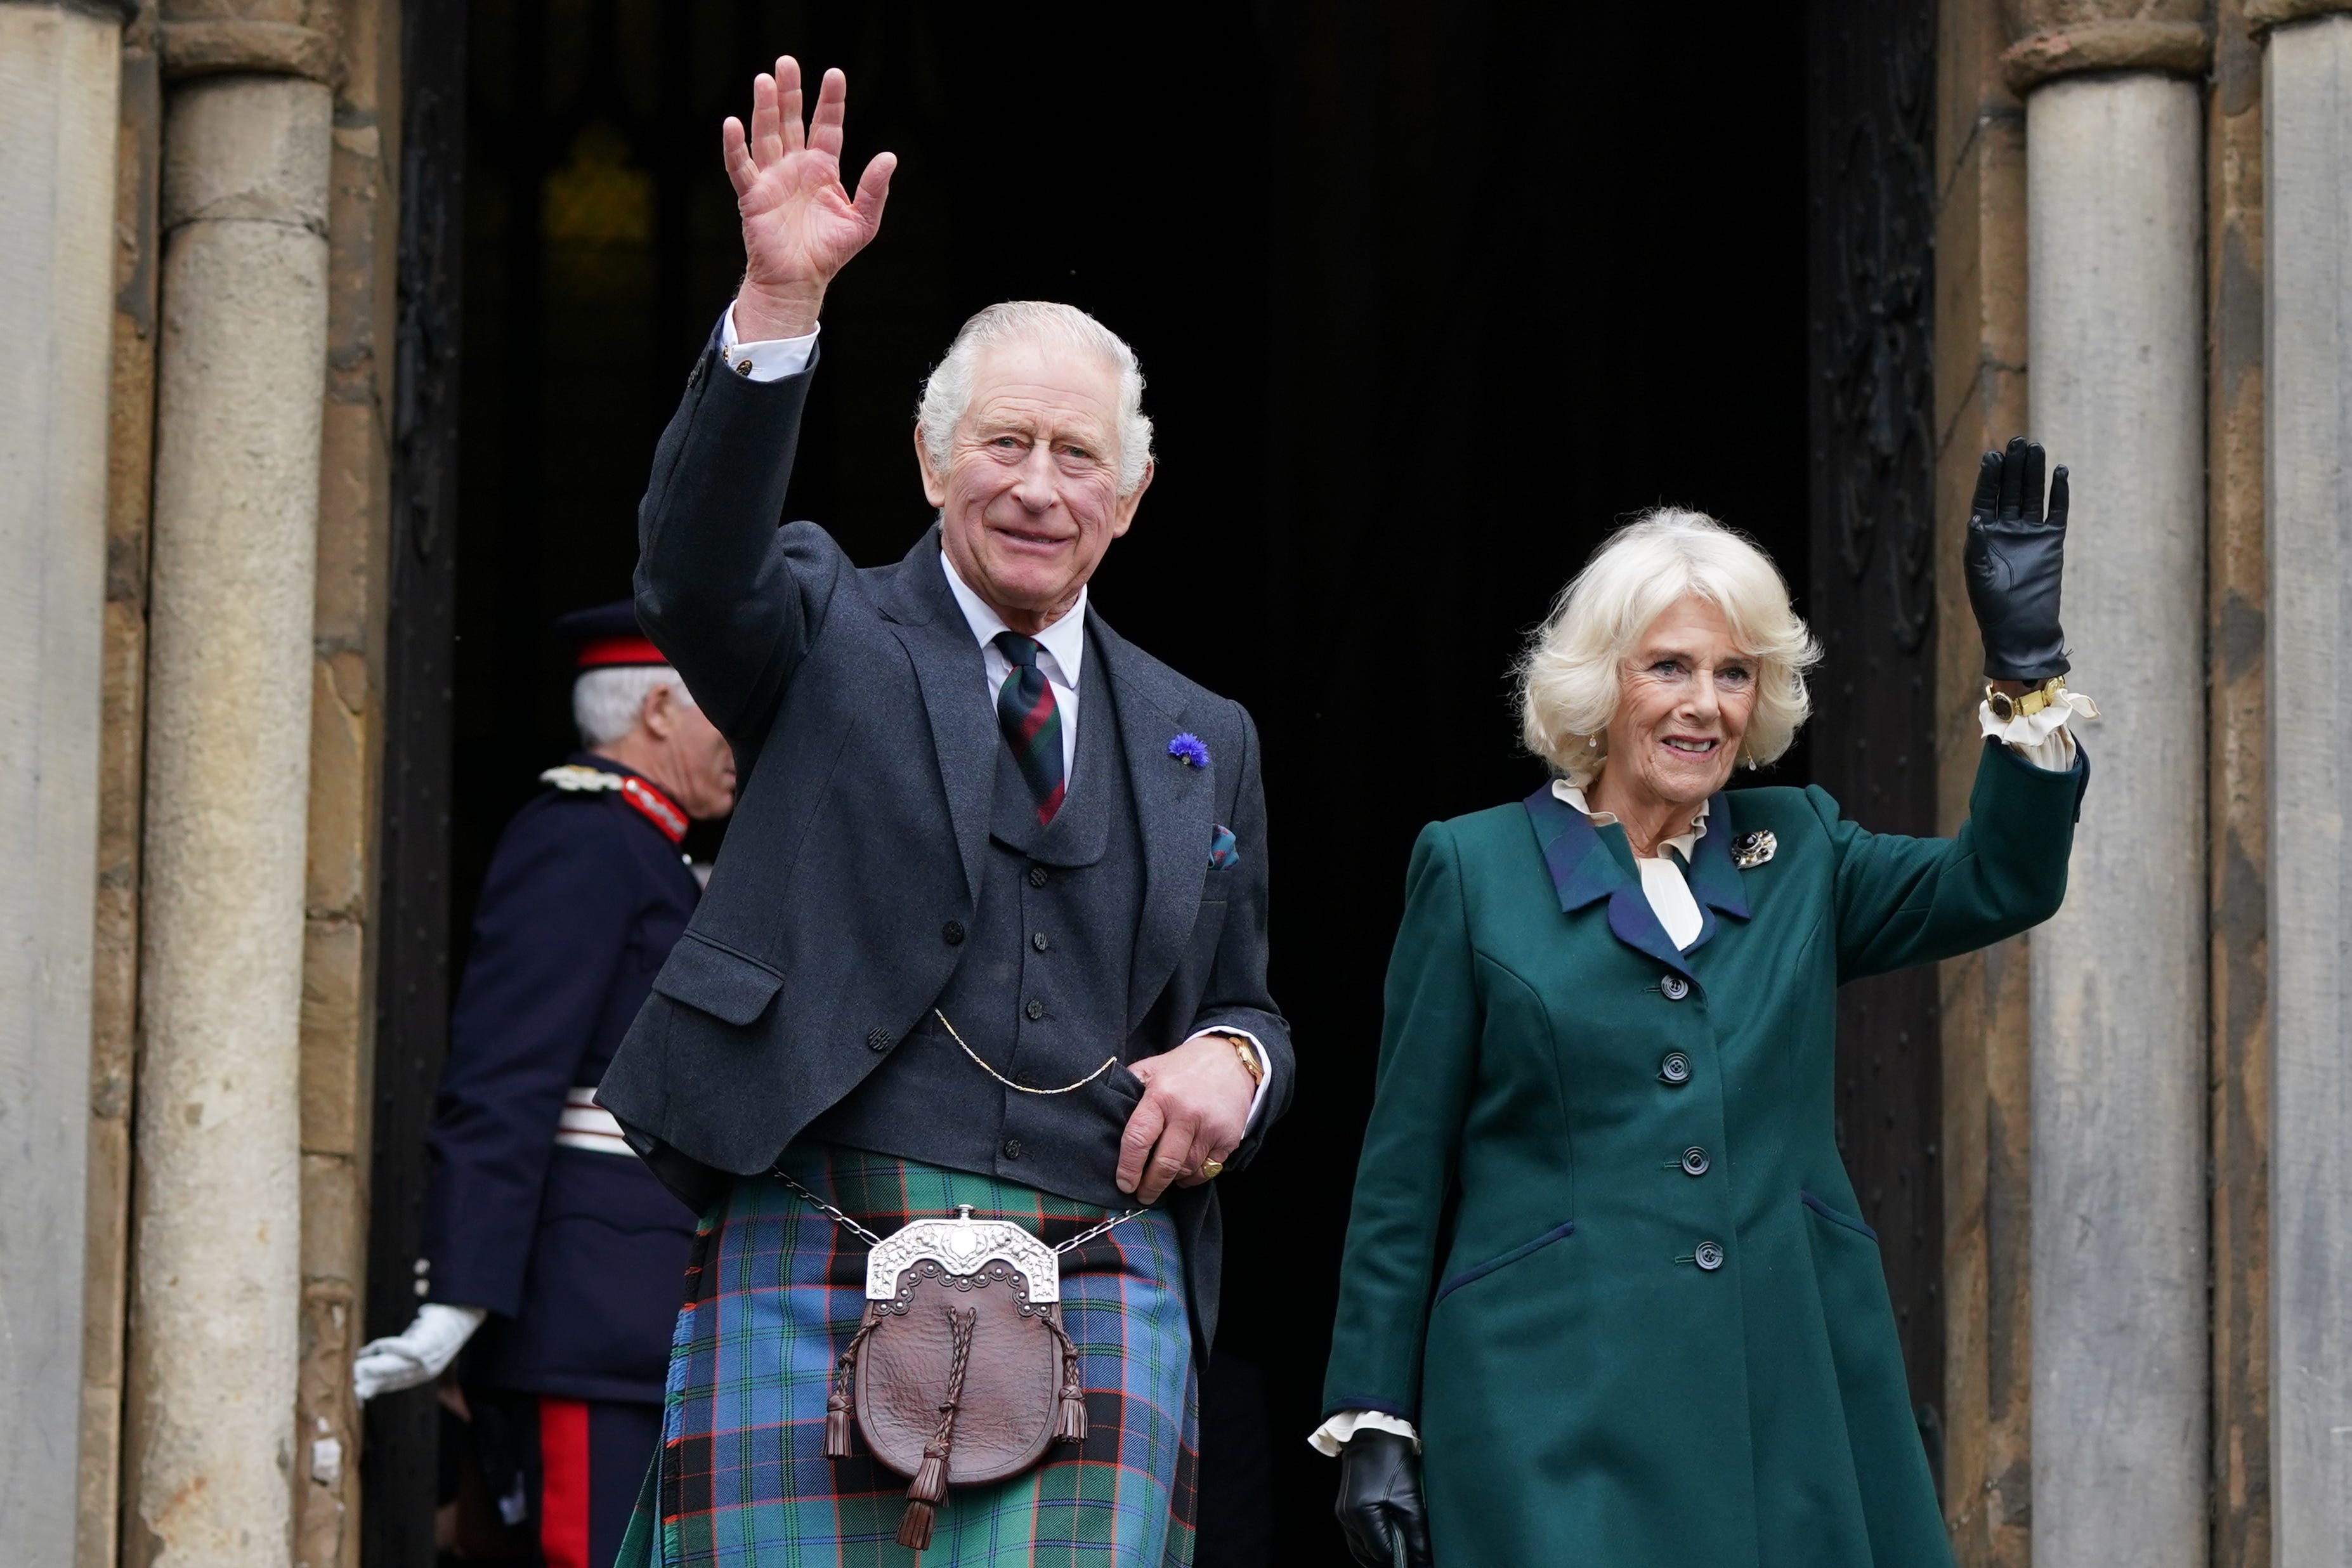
{"x":1039,"y":990}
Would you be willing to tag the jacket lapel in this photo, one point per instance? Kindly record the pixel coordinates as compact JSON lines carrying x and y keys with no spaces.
{"x":1588,"y":864}
{"x":953,"y":679}
{"x":1175,"y":805}
{"x":1714,"y":879}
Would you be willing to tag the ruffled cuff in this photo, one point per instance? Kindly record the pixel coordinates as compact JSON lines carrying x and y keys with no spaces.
{"x":1328,"y":1438}
{"x":2043,"y":739}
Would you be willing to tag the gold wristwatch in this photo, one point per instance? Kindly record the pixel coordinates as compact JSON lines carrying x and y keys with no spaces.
{"x":1243,"y":1049}
{"x":2035,"y":698}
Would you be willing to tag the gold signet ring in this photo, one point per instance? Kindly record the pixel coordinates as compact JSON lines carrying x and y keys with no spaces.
{"x":1213,"y":1168}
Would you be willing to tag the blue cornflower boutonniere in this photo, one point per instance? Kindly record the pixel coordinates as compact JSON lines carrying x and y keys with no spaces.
{"x":1188,"y":749}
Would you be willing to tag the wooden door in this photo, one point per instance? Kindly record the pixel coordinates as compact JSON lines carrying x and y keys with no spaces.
{"x":1871,"y":92}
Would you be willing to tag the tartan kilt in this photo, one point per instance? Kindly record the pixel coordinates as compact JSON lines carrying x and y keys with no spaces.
{"x":773,"y":1293}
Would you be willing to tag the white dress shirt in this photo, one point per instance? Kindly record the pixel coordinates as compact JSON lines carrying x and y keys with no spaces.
{"x":1062,"y":646}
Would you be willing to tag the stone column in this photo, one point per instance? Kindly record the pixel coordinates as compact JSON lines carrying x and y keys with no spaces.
{"x":2115,"y":264}
{"x":2307,"y":163}
{"x":59,"y":72}
{"x":216,"y":1302}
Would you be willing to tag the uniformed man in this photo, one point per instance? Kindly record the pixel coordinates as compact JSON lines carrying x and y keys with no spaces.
{"x":544,"y":1231}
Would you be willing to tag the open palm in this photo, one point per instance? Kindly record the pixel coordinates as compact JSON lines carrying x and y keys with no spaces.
{"x":800,"y":226}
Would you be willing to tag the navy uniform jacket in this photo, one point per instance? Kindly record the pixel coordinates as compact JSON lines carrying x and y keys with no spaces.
{"x":578,"y":1255}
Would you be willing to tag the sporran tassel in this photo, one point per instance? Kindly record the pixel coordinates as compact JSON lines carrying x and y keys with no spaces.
{"x":836,"y":1404}
{"x":930,"y":1486}
{"x":930,"y":1478}
{"x":1070,"y":1424}
{"x":915,"y":1529}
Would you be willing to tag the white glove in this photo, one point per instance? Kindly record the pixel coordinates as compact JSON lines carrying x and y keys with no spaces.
{"x":418,"y":1354}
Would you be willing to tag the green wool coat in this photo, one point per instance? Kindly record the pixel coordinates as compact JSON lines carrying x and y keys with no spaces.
{"x":1573,"y":1121}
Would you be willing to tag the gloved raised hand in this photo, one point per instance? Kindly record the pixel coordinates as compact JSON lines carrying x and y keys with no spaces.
{"x":1380,"y":1499}
{"x":2015,"y":557}
{"x":418,"y":1353}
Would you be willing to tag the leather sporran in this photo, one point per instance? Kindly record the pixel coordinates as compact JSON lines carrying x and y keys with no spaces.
{"x":960,"y":1372}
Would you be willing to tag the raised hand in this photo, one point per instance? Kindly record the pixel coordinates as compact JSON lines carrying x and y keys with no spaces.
{"x":800,"y":226}
{"x":2015,"y":558}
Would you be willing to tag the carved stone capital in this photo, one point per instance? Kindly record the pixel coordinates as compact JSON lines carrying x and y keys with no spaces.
{"x":276,"y":38}
{"x":2063,"y":37}
{"x":2262,"y":15}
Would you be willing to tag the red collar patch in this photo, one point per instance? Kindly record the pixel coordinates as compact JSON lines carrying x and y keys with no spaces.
{"x":655,"y":807}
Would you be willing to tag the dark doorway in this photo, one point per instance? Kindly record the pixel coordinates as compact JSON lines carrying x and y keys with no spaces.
{"x":1429,"y":295}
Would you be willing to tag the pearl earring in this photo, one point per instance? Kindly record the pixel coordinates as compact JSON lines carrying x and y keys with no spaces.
{"x":1591,"y":741}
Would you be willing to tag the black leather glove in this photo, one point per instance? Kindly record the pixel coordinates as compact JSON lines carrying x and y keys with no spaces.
{"x":2014,"y":560}
{"x":1380,"y":1499}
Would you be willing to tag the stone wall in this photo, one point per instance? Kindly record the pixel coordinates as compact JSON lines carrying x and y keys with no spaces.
{"x":352,"y":47}
{"x":1980,"y":387}
{"x":58,"y":84}
{"x":346,"y":765}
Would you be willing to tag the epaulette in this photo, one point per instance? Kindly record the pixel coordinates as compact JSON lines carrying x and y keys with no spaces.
{"x":572,"y":776}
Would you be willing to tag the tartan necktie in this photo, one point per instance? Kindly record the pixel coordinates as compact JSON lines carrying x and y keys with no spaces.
{"x":1025,"y":711}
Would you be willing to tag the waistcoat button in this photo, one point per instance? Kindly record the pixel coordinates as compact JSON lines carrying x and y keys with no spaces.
{"x":1013,"y":1148}
{"x":1673,"y":1068}
{"x":1675,"y":986}
{"x":1694,"y":1161}
{"x":878,"y":1039}
{"x":1035,"y":1010}
{"x":1037,"y":875}
{"x":1709,"y":1257}
{"x":1039,"y":941}
{"x":952,"y":933}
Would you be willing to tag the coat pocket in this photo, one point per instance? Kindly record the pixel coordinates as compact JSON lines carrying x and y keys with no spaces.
{"x":1525,"y":1249}
{"x":1836,"y":1216}
{"x":718,"y":980}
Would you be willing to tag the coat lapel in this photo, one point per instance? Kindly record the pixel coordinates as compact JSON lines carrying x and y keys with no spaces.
{"x":1588,"y":864}
{"x":953,"y":678}
{"x":1175,"y":805}
{"x":1714,"y":879}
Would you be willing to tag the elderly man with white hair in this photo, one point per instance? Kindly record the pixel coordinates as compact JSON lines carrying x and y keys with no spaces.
{"x":1608,"y":1296}
{"x":548,"y":1243}
{"x":975,"y":1009}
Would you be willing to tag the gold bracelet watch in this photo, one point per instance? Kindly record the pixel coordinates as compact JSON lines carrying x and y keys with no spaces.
{"x":2034,"y":701}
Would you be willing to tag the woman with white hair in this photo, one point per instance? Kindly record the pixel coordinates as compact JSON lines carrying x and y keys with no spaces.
{"x":1607,"y":1296}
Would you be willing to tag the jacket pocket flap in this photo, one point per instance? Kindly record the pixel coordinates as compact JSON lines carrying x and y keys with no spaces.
{"x":721,"y":982}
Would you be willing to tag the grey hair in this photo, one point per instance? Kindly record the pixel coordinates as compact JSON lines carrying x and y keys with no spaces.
{"x":1569,"y":676}
{"x":606,"y":703}
{"x":947,"y":393}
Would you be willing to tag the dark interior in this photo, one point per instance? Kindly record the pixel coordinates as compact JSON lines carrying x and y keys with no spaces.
{"x":1429,"y":295}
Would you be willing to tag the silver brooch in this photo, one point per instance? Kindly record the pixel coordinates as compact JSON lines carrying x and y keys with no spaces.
{"x":1752,"y":849}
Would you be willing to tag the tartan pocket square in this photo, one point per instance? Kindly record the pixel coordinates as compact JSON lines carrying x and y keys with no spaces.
{"x":1223,"y":854}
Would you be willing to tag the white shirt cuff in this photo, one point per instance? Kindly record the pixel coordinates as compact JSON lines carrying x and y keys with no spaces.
{"x":2044,"y":737}
{"x":1328,"y":1438}
{"x":770,"y":360}
{"x":1265,"y":1063}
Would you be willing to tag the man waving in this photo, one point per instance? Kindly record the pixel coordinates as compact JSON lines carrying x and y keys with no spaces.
{"x":989,"y":929}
